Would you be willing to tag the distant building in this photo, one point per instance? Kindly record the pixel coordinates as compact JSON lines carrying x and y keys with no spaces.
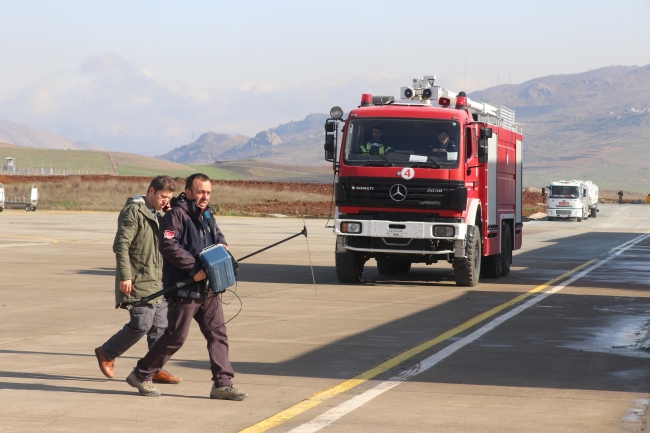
{"x":10,"y":164}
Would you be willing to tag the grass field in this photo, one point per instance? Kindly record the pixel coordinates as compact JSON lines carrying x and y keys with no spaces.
{"x":110,"y":195}
{"x":128,"y":164}
{"x":80,"y":160}
{"x":212,"y":172}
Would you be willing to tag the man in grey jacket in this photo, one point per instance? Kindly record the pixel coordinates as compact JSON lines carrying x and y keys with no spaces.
{"x":139,"y":274}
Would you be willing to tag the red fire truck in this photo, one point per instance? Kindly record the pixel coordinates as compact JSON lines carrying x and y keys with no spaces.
{"x":418,"y":183}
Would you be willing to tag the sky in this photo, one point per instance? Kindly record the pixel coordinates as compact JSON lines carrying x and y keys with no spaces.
{"x":147,"y":76}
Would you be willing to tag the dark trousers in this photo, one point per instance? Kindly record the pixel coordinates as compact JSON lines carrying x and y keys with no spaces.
{"x":208,"y":314}
{"x":149,"y":320}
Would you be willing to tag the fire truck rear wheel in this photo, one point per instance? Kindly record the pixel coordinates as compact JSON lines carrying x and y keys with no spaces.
{"x":467,"y":269}
{"x":594,"y":213}
{"x":506,"y":249}
{"x":492,"y":266}
{"x":349,"y":266}
{"x":28,"y":208}
{"x":579,"y":219}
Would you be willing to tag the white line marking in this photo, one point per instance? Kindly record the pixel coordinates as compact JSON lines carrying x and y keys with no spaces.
{"x":24,"y":244}
{"x":343,"y":409}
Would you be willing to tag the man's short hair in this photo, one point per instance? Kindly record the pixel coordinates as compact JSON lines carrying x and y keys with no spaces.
{"x":443,"y":131}
{"x":378,"y":127}
{"x":163,"y":183}
{"x":190,"y":180}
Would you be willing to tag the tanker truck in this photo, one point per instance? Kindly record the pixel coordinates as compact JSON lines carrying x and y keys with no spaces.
{"x":571,"y":199}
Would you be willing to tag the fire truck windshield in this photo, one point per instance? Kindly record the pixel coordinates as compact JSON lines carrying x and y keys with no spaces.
{"x":558,"y":191}
{"x":404,"y":142}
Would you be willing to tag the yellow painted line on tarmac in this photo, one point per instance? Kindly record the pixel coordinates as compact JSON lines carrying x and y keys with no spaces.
{"x":52,"y":241}
{"x":319,"y":397}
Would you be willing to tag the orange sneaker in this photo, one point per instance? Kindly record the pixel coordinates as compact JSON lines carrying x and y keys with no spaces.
{"x":164,"y":376}
{"x":105,"y":365}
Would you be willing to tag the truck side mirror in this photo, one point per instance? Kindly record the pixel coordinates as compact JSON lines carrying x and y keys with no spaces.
{"x":543,"y":192}
{"x":483,"y":148}
{"x":486,"y":133}
{"x":330,"y":129}
{"x":329,"y":147}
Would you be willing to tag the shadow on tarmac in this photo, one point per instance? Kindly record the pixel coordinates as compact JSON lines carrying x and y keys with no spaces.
{"x":551,"y":345}
{"x":564,"y":342}
{"x":103,"y":272}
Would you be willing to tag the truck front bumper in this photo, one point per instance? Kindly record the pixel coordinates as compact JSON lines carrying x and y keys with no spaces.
{"x":564,"y":212}
{"x":403,"y":237}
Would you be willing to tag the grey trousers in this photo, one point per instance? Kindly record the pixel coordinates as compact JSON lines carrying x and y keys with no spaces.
{"x":149,"y":319}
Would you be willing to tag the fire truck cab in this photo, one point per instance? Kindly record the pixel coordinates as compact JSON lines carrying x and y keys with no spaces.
{"x":418,"y":183}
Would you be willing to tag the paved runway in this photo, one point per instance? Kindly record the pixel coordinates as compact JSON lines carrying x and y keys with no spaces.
{"x":530,"y":352}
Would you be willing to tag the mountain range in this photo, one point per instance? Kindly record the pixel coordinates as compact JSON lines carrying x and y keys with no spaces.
{"x":297,"y":142}
{"x":592,"y":126}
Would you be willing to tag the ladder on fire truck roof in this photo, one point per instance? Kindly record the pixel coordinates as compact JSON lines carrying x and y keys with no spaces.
{"x":424,"y":90}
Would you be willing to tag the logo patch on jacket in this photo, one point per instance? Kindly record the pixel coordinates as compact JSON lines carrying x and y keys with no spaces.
{"x":169,"y":234}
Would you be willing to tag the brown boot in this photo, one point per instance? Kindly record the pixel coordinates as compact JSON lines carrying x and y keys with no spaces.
{"x":105,"y":364}
{"x":163,"y":376}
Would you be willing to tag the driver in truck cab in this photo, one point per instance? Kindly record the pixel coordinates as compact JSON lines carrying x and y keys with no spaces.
{"x":444,"y":144}
{"x":376,"y":144}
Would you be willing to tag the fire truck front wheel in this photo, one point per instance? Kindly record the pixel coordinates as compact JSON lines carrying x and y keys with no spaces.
{"x":467,"y":269}
{"x":349,"y":266}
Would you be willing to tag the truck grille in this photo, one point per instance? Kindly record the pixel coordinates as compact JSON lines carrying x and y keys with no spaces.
{"x":398,"y":193}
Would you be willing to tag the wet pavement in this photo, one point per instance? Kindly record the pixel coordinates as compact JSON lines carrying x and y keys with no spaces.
{"x":574,"y":360}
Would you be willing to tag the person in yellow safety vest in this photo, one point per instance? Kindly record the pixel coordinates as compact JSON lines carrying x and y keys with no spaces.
{"x":375,"y":146}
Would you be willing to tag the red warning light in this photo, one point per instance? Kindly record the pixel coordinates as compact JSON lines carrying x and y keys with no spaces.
{"x":366,"y":100}
{"x":461,"y":101}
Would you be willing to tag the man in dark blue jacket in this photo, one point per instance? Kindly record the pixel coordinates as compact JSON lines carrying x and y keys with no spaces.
{"x":184,"y":232}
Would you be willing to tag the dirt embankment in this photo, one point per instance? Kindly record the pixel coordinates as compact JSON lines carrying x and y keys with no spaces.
{"x":252,"y":197}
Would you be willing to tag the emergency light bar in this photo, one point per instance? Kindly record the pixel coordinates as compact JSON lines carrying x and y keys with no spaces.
{"x":424,"y":90}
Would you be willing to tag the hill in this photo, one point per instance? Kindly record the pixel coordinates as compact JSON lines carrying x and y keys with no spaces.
{"x":299,"y":142}
{"x":206,"y":149}
{"x":56,"y":161}
{"x":27,"y":136}
{"x":593,"y":125}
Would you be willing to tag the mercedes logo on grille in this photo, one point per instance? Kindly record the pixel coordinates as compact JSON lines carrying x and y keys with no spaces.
{"x":398,"y":192}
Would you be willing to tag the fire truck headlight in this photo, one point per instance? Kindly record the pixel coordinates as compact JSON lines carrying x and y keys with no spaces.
{"x":336,"y":113}
{"x":444,"y":231}
{"x":348,"y":227}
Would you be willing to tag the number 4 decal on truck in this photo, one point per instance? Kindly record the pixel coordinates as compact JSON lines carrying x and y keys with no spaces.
{"x":407,"y":173}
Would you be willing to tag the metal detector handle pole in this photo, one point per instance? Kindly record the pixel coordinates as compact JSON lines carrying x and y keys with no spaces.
{"x":146,"y":299}
{"x":303,"y":232}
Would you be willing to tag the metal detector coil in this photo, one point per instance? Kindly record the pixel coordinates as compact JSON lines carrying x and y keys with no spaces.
{"x":217,"y":262}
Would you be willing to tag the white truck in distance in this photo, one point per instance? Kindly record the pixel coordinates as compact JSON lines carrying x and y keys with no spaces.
{"x":572,"y":199}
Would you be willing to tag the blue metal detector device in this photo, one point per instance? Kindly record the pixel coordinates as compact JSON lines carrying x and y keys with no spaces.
{"x":217,"y":263}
